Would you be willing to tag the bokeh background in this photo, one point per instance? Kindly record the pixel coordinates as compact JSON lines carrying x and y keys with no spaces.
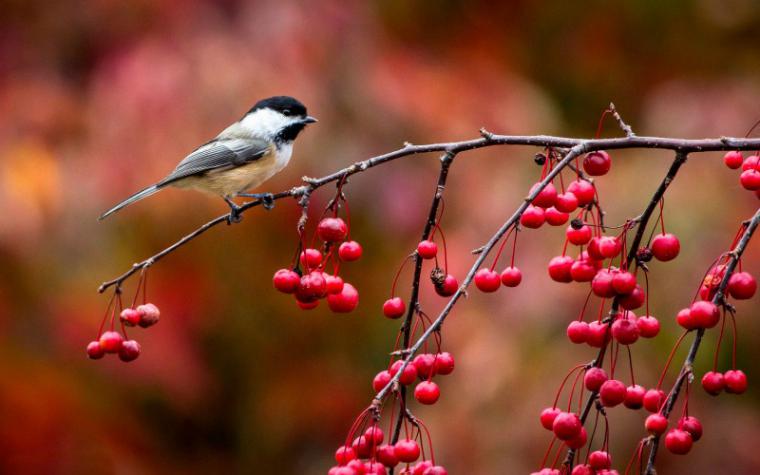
{"x":99,"y":98}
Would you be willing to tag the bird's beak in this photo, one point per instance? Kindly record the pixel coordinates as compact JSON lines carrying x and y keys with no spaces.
{"x":309,"y":120}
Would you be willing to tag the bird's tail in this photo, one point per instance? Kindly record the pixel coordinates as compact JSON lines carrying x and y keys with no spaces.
{"x":136,"y":197}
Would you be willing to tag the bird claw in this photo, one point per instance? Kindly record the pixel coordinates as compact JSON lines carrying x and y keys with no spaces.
{"x":267,"y":201}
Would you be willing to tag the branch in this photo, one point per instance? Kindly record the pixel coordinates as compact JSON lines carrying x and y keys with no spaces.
{"x":625,"y":127}
{"x":718,"y":299}
{"x":643,"y":221}
{"x":406,"y":327}
{"x":487,"y":140}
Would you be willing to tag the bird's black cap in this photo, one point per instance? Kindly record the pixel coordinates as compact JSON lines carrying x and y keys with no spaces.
{"x":284,"y":104}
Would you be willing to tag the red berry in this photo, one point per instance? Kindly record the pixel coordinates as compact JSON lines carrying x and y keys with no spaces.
{"x":427,"y":249}
{"x":487,"y":280}
{"x":332,"y":230}
{"x":385,"y":454}
{"x":654,"y":399}
{"x":350,"y":251}
{"x":713,"y":383}
{"x":594,"y":378}
{"x":129,"y":351}
{"x":374,"y":433}
{"x":742,"y":285}
{"x":633,"y":300}
{"x":547,"y":417}
{"x":427,"y":392}
{"x":444,"y":363}
{"x":532,"y":217}
{"x":634,"y":396}
{"x":372,"y":467}
{"x":394,"y":307}
{"x":582,"y":470}
{"x":665,"y":247}
{"x":420,"y":467}
{"x":583,"y":190}
{"x":130,"y":317}
{"x":149,"y":315}
{"x":566,"y":425}
{"x":649,"y":326}
{"x":750,"y":163}
{"x":612,"y":393}
{"x":599,"y":460}
{"x":362,"y":446}
{"x":381,"y":380}
{"x":625,"y":331}
{"x":609,"y":247}
{"x":511,"y":277}
{"x":656,"y":424}
{"x":425,"y":364}
{"x":94,"y":350}
{"x":598,"y":334}
{"x":580,"y":236}
{"x":334,"y":284}
{"x":736,"y":381}
{"x":344,"y":454}
{"x":577,"y":331}
{"x":311,"y":258}
{"x":601,"y":284}
{"x":750,"y":179}
{"x":448,"y":287}
{"x":559,"y":268}
{"x":555,"y":217}
{"x":683,"y":318}
{"x":691,"y":425}
{"x":408,"y":375}
{"x":345,"y":301}
{"x":704,"y":314}
{"x":678,"y":441}
{"x":545,"y":197}
{"x":110,"y":341}
{"x":313,"y":286}
{"x":733,"y":159}
{"x":406,"y":450}
{"x":579,"y":440}
{"x":566,"y":202}
{"x":286,"y":281}
{"x":623,"y":282}
{"x":597,"y":163}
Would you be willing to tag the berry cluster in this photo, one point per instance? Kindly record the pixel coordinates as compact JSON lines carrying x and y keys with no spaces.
{"x":368,"y":454}
{"x":314,"y":283}
{"x":750,"y":166}
{"x":115,"y":342}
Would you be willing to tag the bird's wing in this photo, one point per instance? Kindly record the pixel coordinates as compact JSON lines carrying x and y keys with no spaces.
{"x":218,"y":154}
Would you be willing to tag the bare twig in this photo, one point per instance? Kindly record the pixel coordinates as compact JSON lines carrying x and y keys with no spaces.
{"x":625,"y":127}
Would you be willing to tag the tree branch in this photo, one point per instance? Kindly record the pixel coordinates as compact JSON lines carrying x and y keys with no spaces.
{"x":718,"y":299}
{"x":488,"y":139}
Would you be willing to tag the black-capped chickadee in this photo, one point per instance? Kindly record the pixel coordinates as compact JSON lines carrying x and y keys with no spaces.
{"x":243,"y":156}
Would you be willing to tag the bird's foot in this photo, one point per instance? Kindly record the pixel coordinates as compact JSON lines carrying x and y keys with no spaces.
{"x":267,"y":199}
{"x":235,"y":215}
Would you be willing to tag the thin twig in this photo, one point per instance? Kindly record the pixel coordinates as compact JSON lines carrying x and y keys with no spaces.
{"x":625,"y":127}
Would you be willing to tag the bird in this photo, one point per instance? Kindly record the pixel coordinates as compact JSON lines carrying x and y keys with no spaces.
{"x":243,"y":156}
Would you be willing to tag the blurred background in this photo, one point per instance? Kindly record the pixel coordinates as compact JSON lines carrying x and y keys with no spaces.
{"x":99,"y":98}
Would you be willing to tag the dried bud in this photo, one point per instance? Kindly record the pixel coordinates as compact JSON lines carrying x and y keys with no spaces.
{"x":576,"y":223}
{"x":644,"y":254}
{"x":540,"y":158}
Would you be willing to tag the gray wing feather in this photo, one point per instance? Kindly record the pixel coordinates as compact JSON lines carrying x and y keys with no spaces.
{"x":218,"y":154}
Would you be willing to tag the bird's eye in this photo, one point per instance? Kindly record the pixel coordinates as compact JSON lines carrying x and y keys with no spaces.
{"x":286,"y":112}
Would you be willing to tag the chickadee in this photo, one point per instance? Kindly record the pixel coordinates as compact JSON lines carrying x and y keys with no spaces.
{"x":243,"y":156}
